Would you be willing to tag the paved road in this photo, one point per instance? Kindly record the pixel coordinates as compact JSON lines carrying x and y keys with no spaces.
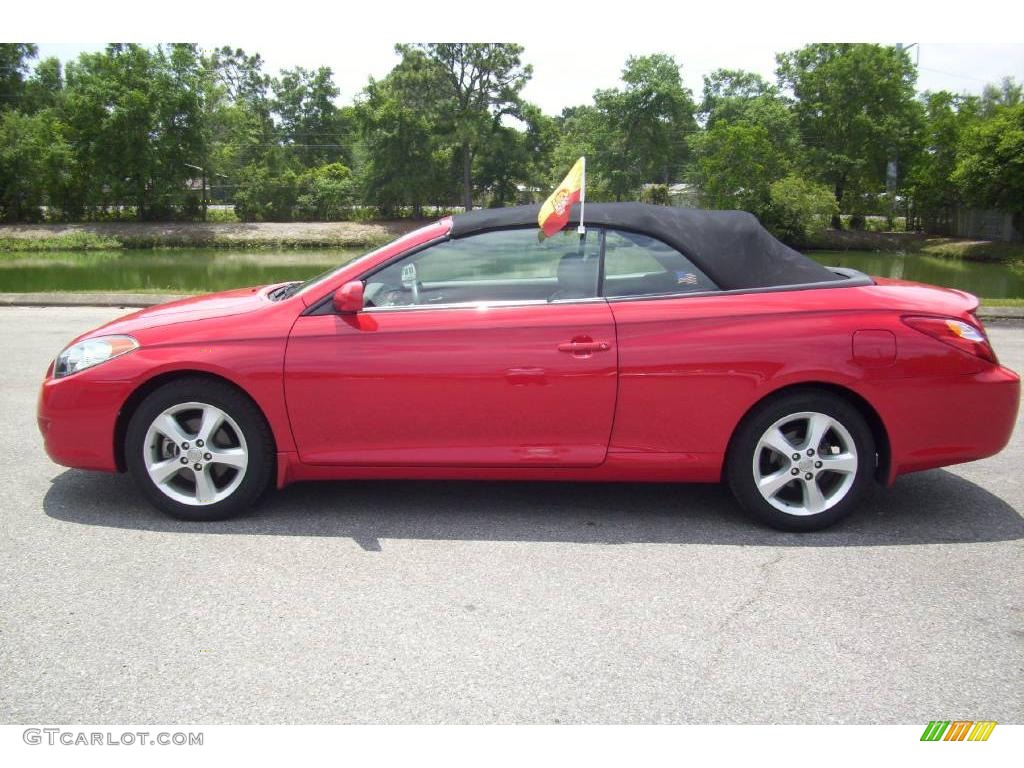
{"x":462,"y":602}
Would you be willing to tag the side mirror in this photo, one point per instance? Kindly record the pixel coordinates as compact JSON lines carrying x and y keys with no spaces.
{"x":349,"y":298}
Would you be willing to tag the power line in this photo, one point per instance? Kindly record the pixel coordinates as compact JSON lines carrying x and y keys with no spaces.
{"x":951,"y":74}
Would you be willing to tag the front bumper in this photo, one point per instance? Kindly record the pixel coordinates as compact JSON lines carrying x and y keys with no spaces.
{"x":77,"y":417}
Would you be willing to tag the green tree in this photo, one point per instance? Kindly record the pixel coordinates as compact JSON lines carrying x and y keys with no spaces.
{"x":238,"y":119}
{"x":325,"y":193}
{"x":585,"y":131}
{"x":733,"y":96}
{"x":14,"y":66}
{"x":481,"y":85}
{"x":736,"y":166}
{"x":308,"y":118}
{"x":44,"y":88}
{"x":267,"y":190}
{"x":242,"y":75}
{"x":501,"y":169}
{"x":931,"y":184}
{"x":1008,"y":93}
{"x":723,"y":86}
{"x":990,"y":165}
{"x":541,"y":138}
{"x":517,"y":156}
{"x":408,"y":161}
{"x":134,"y":117}
{"x":37,"y":167}
{"x":855,"y":109}
{"x":645,"y":125}
{"x":21,"y":157}
{"x":750,"y":141}
{"x":238,"y":129}
{"x":798,"y":208}
{"x":182,"y":140}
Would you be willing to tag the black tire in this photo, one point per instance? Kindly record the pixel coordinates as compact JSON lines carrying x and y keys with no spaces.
{"x":259,"y":442}
{"x":740,"y":470}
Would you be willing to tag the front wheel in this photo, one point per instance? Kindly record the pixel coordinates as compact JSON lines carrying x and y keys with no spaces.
{"x":801,"y":462}
{"x":199,"y":450}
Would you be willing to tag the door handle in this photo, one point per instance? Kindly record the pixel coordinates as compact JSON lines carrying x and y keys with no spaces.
{"x":581,"y":347}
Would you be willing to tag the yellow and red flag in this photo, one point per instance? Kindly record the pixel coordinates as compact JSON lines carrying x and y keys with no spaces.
{"x":554,"y":214}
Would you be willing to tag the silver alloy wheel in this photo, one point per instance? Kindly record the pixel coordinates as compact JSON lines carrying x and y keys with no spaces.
{"x":805,"y":463}
{"x":195,"y":453}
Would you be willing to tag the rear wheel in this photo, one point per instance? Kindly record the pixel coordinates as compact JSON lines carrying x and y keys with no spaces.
{"x":801,"y":462}
{"x":199,"y":450}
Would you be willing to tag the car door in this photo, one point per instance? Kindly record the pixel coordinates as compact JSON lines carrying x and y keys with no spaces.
{"x":679,"y":380}
{"x":490,"y":350}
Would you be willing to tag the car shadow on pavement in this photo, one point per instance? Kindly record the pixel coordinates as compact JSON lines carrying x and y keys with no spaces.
{"x":926,"y":508}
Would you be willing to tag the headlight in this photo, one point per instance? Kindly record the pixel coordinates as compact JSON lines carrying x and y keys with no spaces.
{"x":86,"y":354}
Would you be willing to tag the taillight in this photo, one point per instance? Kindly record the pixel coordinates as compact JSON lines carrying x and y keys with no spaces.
{"x":956,"y":333}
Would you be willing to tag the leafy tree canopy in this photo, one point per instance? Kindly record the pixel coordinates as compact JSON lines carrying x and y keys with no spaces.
{"x":479,"y":84}
{"x":645,"y":124}
{"x":855,"y":109}
{"x":990,"y":168}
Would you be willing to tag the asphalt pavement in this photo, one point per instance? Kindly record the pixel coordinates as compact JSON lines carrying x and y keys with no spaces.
{"x":421,"y":602}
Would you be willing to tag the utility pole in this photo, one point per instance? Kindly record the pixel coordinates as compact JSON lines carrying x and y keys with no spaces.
{"x":204,"y":198}
{"x":892,"y":168}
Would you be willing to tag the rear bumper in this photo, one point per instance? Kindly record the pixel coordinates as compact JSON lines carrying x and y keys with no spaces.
{"x":935,"y":422}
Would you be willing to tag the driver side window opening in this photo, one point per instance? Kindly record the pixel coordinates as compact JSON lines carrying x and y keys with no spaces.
{"x":517,"y":266}
{"x":512,"y":265}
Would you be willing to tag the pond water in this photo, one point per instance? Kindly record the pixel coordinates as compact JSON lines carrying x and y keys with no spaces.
{"x":178,"y":270}
{"x":985,"y":279}
{"x":204,"y":270}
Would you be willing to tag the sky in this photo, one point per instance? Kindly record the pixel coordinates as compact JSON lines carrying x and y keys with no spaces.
{"x":565,"y":76}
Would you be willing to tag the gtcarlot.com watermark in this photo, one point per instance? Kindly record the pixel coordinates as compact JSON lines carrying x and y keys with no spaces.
{"x":70,"y":738}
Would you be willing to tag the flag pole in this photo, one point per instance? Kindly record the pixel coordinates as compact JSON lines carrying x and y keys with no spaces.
{"x":583,"y":197}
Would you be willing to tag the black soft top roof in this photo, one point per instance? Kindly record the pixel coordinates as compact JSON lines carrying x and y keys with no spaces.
{"x":731,"y":247}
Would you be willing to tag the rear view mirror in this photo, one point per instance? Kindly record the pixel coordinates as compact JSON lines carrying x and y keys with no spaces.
{"x":349,"y":298}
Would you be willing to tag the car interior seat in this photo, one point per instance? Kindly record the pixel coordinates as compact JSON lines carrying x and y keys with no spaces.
{"x":577,"y":277}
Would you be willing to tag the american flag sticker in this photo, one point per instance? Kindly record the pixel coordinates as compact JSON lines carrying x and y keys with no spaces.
{"x":686,"y":278}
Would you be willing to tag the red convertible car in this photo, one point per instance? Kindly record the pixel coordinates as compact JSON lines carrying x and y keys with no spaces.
{"x":663,"y":345}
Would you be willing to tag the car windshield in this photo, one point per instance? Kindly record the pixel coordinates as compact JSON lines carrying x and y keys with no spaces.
{"x":290,"y":289}
{"x":293,"y":288}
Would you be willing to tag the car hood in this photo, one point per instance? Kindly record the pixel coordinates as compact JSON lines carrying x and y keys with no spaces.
{"x":213,"y":305}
